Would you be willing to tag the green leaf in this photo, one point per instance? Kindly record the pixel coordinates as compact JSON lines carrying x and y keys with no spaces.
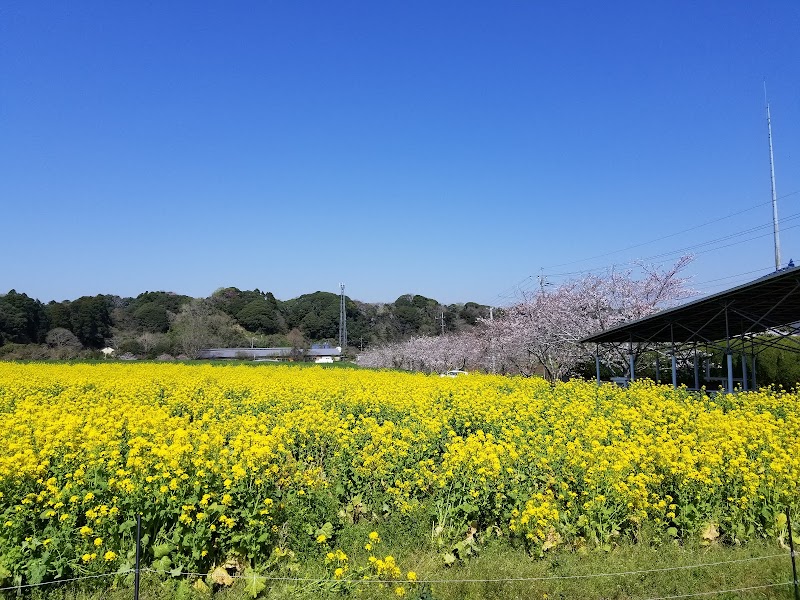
{"x":162,"y":550}
{"x":326,"y":530}
{"x":255,"y":584}
{"x":449,"y":559}
{"x":672,"y":531}
{"x":162,"y":564}
{"x":127,"y":526}
{"x":468,"y":508}
{"x":125,"y":567}
{"x":36,"y":572}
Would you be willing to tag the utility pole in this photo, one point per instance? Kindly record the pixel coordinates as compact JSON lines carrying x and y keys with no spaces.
{"x":342,"y":319}
{"x":491,"y":338}
{"x":442,"y":322}
{"x":775,"y":231}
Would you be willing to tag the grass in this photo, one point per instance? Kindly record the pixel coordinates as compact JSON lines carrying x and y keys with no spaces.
{"x":498,"y":571}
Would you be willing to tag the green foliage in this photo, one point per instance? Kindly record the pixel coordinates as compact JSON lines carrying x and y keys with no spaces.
{"x":779,"y":366}
{"x":260,"y":316}
{"x":96,"y":320}
{"x":152,"y":317}
{"x":91,"y":320}
{"x":316,"y":315}
{"x":23,"y":320}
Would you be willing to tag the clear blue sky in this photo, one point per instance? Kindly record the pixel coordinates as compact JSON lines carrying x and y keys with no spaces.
{"x":450,"y":149}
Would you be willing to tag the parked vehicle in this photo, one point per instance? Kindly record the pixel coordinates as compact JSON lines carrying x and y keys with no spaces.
{"x":453,"y":373}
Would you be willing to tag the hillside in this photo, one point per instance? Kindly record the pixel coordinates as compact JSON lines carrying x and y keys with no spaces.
{"x":156,"y":323}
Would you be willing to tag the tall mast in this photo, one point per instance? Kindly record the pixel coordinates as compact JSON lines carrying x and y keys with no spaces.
{"x":774,"y":194}
{"x":342,"y":319}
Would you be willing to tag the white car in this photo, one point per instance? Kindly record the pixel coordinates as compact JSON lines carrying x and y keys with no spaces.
{"x":454,"y":373}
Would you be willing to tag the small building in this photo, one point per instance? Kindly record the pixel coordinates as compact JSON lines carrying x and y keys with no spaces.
{"x":273,"y":354}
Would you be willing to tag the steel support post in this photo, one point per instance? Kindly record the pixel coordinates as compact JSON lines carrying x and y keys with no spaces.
{"x":631,"y":359}
{"x":674,"y":371}
{"x":597,"y":366}
{"x":744,"y":372}
{"x":730,"y":371}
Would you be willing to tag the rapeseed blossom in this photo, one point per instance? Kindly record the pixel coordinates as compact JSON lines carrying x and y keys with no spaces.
{"x":223,"y":458}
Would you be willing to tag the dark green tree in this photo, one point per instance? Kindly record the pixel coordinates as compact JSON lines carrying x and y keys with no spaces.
{"x":260,"y":316}
{"x":152,"y":317}
{"x":23,"y":320}
{"x":91,"y":320}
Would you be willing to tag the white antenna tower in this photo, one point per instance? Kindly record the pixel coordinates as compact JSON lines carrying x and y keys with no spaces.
{"x":342,"y":319}
{"x":774,"y":193}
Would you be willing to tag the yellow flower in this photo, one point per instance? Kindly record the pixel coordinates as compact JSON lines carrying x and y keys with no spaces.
{"x":400,"y":591}
{"x":98,"y":541}
{"x":411,"y":576}
{"x":374,"y":537}
{"x":109,"y":556}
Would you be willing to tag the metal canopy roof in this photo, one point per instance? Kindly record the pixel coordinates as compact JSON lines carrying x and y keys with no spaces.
{"x":770,"y":302}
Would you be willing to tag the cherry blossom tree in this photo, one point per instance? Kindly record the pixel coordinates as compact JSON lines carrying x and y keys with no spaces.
{"x":541,"y":333}
{"x":546,"y":327}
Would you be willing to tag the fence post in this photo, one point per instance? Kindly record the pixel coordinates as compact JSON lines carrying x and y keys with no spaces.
{"x":791,"y":548}
{"x":138,"y":556}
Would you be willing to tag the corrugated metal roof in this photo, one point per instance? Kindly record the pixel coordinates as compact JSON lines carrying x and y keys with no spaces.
{"x":771,"y":302}
{"x":264,"y":352}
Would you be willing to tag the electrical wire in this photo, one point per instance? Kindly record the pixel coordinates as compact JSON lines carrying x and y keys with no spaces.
{"x":527,"y":283}
{"x":694,"y":228}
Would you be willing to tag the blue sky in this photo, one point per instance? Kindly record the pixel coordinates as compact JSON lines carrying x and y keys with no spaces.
{"x":450,"y":149}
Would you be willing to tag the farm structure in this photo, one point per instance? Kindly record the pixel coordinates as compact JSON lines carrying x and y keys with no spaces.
{"x":744,"y":321}
{"x":322,"y":355}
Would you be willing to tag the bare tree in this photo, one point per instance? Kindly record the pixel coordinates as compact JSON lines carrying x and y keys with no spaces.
{"x":198,"y":326}
{"x":64,"y":343}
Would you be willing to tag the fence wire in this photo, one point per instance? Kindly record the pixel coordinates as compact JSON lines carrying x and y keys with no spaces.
{"x":312,"y":580}
{"x":715,"y":592}
{"x":60,"y":581}
{"x":494,"y":580}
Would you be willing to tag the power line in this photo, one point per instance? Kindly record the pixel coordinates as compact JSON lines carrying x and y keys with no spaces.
{"x":511,"y":292}
{"x":686,"y":249}
{"x":694,"y":228}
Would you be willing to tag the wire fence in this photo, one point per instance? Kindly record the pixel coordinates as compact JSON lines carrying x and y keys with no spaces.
{"x":454,"y":580}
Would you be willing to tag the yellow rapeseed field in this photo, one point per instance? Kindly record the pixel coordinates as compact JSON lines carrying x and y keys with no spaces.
{"x":223,"y":460}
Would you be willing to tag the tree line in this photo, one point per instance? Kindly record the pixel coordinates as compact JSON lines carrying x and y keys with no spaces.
{"x":540,"y":334}
{"x":162,"y":323}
